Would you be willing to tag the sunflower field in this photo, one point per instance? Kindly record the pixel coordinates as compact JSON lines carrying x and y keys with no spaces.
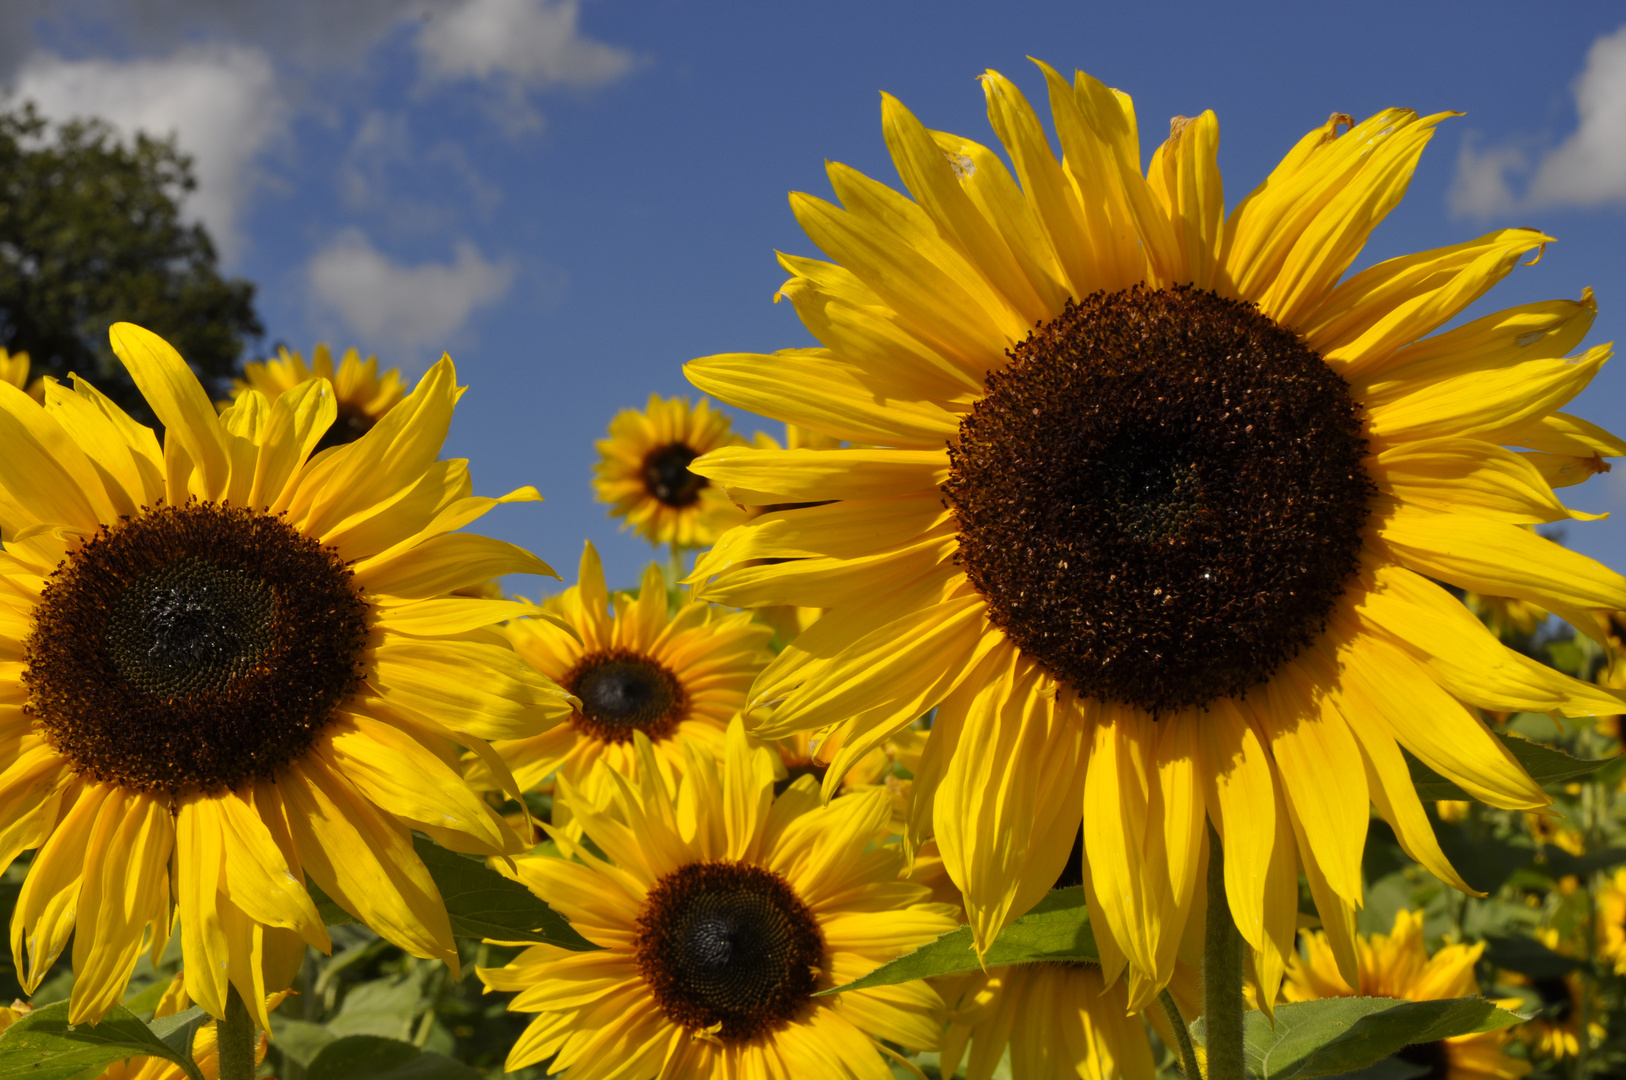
{"x":1136,"y":647}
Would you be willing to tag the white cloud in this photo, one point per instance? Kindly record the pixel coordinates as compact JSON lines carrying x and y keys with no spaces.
{"x":220,"y":102}
{"x":1588,"y":168}
{"x":405,"y":310}
{"x":532,"y":41}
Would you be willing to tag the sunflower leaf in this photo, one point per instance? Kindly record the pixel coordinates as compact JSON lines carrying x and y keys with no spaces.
{"x":42,"y":1045}
{"x":1334,"y":1036}
{"x":180,"y":1029}
{"x":1545,"y":764}
{"x":372,"y":1057}
{"x":327,"y":907}
{"x":484,"y":904}
{"x":1057,"y":929}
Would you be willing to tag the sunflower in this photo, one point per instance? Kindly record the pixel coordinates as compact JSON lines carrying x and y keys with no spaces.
{"x":225,"y":665}
{"x":1397,"y":965}
{"x":1060,"y":1021}
{"x":1556,"y":1031}
{"x":361,"y":394}
{"x":721,"y":910}
{"x":1611,"y":922}
{"x":643,"y":472}
{"x":1505,"y":616}
{"x":14,"y":370}
{"x":1149,"y":507}
{"x":638,"y":668}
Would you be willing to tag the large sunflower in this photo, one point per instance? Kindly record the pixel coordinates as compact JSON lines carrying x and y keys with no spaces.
{"x":1059,"y":1022}
{"x":643,"y":472}
{"x":1148,"y":508}
{"x":721,"y":910}
{"x":362,"y":395}
{"x":226,"y":665}
{"x":634,"y":668}
{"x":1398,"y":965}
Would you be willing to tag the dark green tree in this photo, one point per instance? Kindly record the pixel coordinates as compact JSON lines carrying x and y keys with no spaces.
{"x":90,"y":234}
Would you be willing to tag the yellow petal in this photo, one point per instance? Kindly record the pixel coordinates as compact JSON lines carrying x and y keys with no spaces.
{"x":444,"y":563}
{"x":1363,"y":321}
{"x":1184,"y":175}
{"x":1432,"y":724}
{"x":403,"y":779}
{"x":1464,"y":656}
{"x":832,"y":396}
{"x":178,"y":400}
{"x":1008,"y":806}
{"x":1449,"y":475}
{"x":1465,"y":399}
{"x":931,"y":178}
{"x":125,"y":894}
{"x":366,"y":862}
{"x":1497,"y":559}
{"x":1313,"y":750}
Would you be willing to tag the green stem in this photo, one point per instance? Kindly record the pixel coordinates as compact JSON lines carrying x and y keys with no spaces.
{"x":236,"y":1039}
{"x":674,"y":568}
{"x":1222,"y":976}
{"x":1188,"y":1053}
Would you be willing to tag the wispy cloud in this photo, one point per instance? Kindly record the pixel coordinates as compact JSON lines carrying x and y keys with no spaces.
{"x":536,"y":42}
{"x":220,"y":103}
{"x":410,"y":311}
{"x":1585,"y":169}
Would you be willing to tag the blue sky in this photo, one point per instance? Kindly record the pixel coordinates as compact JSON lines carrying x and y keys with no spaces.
{"x":575,"y":198}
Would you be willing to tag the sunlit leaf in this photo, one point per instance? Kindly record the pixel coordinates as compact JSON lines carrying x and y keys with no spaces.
{"x":369,"y":1057}
{"x":1334,"y":1036}
{"x":179,"y":1029}
{"x":1057,"y":929}
{"x":1545,"y":764}
{"x":484,"y":904}
{"x":43,"y":1046}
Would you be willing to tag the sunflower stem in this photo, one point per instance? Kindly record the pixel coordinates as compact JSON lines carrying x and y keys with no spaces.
{"x":1188,"y":1054}
{"x":1222,"y":976}
{"x":236,"y":1040}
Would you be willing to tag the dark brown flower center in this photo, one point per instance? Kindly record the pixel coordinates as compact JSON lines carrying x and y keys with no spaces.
{"x":728,"y":946}
{"x":1434,"y":1056}
{"x":623,"y":691}
{"x":351,"y":423}
{"x":667,"y":476}
{"x":193,"y":648}
{"x":1557,"y":1001}
{"x":795,"y":772}
{"x":1161,"y":496}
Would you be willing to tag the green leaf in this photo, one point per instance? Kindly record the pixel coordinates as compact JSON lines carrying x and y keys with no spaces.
{"x":178,"y":1030}
{"x":327,"y":907}
{"x":299,"y":1041}
{"x":383,"y":1007}
{"x":43,"y":1046}
{"x":1057,"y":928}
{"x":484,"y":904}
{"x":1528,"y":956}
{"x":369,"y":1057}
{"x":1333,"y":1036}
{"x":1545,"y":764}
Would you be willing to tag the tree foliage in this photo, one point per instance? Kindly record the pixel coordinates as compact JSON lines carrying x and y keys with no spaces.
{"x":91,"y":233}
